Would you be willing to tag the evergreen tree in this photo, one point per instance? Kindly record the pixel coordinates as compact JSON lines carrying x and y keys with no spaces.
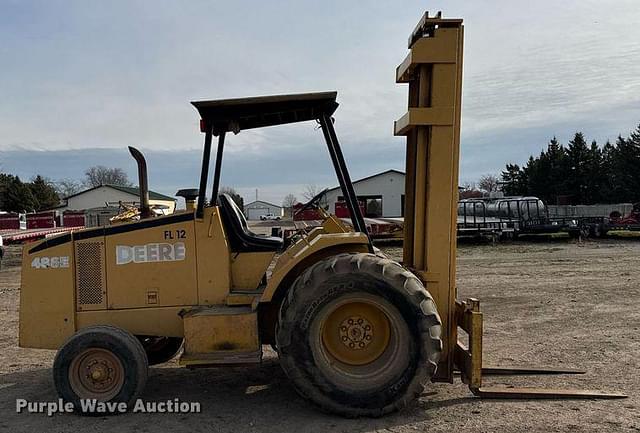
{"x":633,"y":164}
{"x":512,"y":180}
{"x":44,"y":193}
{"x":558,"y":163}
{"x":577,"y":183}
{"x":16,"y":196}
{"x":608,"y":173}
{"x":622,"y":167}
{"x":587,"y":174}
{"x":537,"y":170}
{"x":595,"y":180}
{"x":5,"y":179}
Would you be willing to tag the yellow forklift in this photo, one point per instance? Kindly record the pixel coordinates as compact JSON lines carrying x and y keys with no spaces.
{"x":357,"y":333}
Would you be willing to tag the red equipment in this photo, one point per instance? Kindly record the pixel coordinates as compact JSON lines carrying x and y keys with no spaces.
{"x":73,"y":219}
{"x":341,"y":210}
{"x":310,"y":214}
{"x":632,"y":218}
{"x":41,"y":220}
{"x":10,"y":221}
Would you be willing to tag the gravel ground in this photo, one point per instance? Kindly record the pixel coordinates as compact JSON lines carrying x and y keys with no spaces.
{"x":549,"y":304}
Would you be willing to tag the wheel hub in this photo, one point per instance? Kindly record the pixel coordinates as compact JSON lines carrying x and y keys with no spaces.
{"x":99,"y":373}
{"x":356,"y":332}
{"x":96,"y":373}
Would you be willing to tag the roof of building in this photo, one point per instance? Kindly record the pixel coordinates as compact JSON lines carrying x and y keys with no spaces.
{"x":391,"y":170}
{"x":262,"y":201}
{"x":129,"y":190}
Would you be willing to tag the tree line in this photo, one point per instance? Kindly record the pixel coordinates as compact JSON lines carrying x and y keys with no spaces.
{"x":579,"y":173}
{"x":18,"y":196}
{"x":42,"y":193}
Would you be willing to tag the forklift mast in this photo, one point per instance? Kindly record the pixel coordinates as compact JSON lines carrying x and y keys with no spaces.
{"x":433,"y":70}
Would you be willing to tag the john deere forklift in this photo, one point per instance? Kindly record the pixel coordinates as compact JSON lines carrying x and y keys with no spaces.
{"x":357,"y":333}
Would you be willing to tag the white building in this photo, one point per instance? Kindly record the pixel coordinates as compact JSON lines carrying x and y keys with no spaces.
{"x":112,"y":195}
{"x":382,"y":194}
{"x":256,"y":208}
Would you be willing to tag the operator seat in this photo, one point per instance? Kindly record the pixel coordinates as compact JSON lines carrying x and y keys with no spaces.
{"x":241,"y":239}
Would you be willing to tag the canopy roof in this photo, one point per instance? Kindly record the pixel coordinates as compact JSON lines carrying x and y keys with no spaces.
{"x":246,"y":113}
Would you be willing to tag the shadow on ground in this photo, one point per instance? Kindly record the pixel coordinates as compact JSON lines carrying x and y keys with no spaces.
{"x":237,"y":399}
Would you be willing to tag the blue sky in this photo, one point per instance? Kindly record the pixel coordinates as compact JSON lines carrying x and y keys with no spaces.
{"x":81,"y":80}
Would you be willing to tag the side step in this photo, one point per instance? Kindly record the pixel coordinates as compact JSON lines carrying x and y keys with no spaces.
{"x":220,"y":358}
{"x":220,"y":335}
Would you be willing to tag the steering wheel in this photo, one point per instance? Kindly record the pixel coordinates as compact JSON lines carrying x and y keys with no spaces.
{"x":313,"y":202}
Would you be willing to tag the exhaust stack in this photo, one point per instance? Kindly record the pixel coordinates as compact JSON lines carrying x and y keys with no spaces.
{"x":145,"y":209}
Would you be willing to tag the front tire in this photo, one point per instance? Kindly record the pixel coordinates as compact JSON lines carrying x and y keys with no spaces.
{"x":359,"y":335}
{"x":100,"y":362}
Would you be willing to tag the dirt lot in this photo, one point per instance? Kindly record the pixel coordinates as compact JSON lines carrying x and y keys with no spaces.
{"x":555,"y":304}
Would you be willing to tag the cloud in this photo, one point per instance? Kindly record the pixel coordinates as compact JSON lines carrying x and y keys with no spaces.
{"x":287,"y":169}
{"x":81,"y":76}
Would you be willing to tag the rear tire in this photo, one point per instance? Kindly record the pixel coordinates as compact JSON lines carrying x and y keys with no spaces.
{"x":359,"y":335}
{"x":103,"y":363}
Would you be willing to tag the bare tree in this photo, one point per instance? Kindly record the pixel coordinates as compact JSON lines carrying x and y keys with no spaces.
{"x":467,"y":186}
{"x":310,"y":191}
{"x":237,"y":198}
{"x":488,"y":183}
{"x":288,"y":202}
{"x":66,"y":187}
{"x":101,"y":175}
{"x":469,"y":190}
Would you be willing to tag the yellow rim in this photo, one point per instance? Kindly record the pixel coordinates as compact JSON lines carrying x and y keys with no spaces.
{"x":96,"y":373}
{"x":356,"y":332}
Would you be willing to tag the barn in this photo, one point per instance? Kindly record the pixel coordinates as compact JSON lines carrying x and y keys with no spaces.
{"x":111,"y":196}
{"x":255,"y":209}
{"x":381,"y":194}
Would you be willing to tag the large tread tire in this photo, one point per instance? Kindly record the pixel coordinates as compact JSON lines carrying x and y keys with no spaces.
{"x":160,"y":349}
{"x":118,"y":342}
{"x":344,"y":275}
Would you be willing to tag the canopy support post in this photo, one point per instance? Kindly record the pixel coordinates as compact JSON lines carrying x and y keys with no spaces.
{"x":204,"y":172}
{"x":217,"y":172}
{"x":357,"y":220}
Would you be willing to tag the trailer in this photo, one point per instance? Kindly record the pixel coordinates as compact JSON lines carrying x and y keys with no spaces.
{"x":12,"y":221}
{"x":615,"y":224}
{"x":29,"y":235}
{"x":73,"y":218}
{"x":513,"y":217}
{"x":42,"y":220}
{"x":378,"y":228}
